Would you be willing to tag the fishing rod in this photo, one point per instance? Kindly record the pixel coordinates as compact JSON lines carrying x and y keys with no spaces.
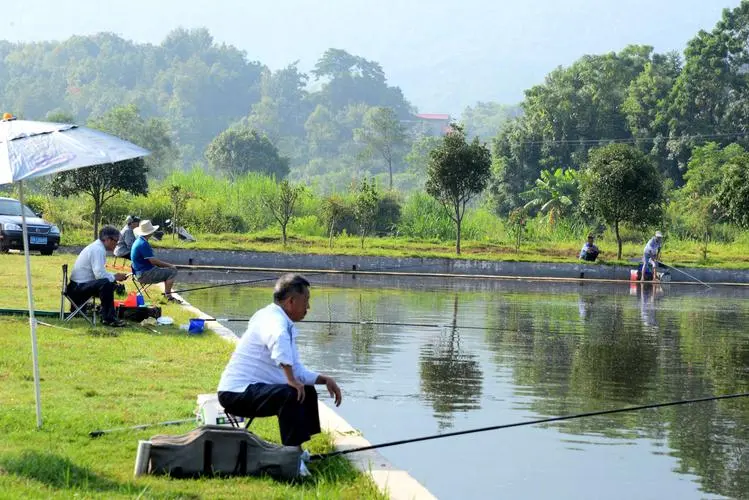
{"x":233,"y":283}
{"x":372,"y":323}
{"x":684,"y":273}
{"x":532,"y":422}
{"x":95,"y":434}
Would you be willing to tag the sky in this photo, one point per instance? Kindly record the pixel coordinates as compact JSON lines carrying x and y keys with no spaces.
{"x":444,"y":54}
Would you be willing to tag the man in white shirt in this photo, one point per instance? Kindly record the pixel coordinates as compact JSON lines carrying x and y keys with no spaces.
{"x":89,"y":276}
{"x":650,"y":255}
{"x":265,"y":376}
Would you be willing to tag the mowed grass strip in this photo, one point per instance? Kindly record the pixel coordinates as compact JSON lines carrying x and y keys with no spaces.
{"x":685,"y":253}
{"x":100,"y":378}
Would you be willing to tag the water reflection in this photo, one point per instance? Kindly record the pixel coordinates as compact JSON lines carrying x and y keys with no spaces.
{"x":450,"y":376}
{"x":547,"y":351}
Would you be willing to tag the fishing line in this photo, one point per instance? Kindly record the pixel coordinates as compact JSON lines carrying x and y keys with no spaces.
{"x":233,"y":283}
{"x":686,"y":274}
{"x":372,"y":323}
{"x":532,"y":422}
{"x":95,"y":434}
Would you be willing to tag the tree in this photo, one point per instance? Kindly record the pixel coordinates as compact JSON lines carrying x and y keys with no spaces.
{"x":621,"y":185}
{"x":365,"y":207}
{"x":333,"y":209}
{"x":576,"y":108}
{"x":554,"y":193}
{"x":486,"y":119}
{"x":383,"y":134}
{"x":705,"y":172}
{"x":179,"y":198}
{"x":450,"y":374}
{"x":282,"y":202}
{"x":458,"y":171}
{"x":239,"y":150}
{"x":350,"y":79}
{"x":103,"y":182}
{"x":322,"y":132}
{"x":733,"y":193}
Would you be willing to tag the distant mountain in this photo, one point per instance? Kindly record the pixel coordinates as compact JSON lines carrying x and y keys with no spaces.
{"x":445,"y":55}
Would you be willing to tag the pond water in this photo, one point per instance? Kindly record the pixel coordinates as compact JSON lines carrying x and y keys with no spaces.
{"x":546,"y":350}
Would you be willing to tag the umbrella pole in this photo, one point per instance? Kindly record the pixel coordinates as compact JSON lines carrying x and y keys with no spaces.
{"x":32,"y":319}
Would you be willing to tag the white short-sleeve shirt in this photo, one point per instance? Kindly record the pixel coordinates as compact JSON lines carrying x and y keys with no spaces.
{"x":268,"y":342}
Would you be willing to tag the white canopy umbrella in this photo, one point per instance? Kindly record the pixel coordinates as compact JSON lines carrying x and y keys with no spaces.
{"x":31,"y":149}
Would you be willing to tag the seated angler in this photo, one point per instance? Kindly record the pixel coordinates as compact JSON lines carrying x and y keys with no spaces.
{"x":89,"y":277}
{"x":146,"y":266}
{"x":127,"y":238}
{"x":265,"y":376}
{"x":589,"y":251}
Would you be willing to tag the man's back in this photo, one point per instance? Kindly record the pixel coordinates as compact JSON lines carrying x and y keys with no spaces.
{"x":88,"y":262}
{"x":139,"y":255}
{"x":125,"y":244}
{"x":651,"y":247}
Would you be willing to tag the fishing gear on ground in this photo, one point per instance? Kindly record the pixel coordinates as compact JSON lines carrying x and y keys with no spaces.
{"x":218,"y":450}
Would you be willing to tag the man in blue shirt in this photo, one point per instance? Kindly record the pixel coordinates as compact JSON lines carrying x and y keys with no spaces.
{"x":148,"y":268}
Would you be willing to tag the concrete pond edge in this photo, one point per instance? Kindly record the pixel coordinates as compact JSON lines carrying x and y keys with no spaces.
{"x":395,"y":483}
{"x":428,"y":266}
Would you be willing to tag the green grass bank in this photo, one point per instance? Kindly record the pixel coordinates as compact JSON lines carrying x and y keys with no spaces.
{"x":100,"y":378}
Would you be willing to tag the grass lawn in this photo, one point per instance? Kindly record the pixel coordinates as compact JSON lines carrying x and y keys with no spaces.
{"x":675,"y":252}
{"x":99,"y":378}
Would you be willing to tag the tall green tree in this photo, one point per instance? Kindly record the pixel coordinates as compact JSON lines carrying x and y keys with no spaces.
{"x":284,"y":103}
{"x":711,"y":95}
{"x":103,"y":182}
{"x":458,"y":170}
{"x":383,"y":135}
{"x":621,"y":185}
{"x":577,"y":108}
{"x":698,"y":197}
{"x":349,"y":79}
{"x":733,"y":192}
{"x":365,"y":207}
{"x":239,"y":150}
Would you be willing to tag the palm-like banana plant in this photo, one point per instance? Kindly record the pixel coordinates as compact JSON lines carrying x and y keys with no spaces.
{"x":554,"y":193}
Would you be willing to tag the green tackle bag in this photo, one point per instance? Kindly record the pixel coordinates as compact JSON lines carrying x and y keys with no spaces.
{"x":219,"y":450}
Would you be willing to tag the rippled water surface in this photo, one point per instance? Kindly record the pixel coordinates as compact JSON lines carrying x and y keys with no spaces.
{"x":504,"y":352}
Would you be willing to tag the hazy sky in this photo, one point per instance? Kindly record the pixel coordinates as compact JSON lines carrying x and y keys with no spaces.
{"x":444,"y":54}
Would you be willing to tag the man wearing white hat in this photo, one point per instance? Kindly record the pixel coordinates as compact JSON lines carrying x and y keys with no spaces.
{"x":148,"y":268}
{"x":651,"y":254}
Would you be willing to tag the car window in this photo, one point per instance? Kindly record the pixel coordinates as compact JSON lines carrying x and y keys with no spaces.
{"x":13,"y":207}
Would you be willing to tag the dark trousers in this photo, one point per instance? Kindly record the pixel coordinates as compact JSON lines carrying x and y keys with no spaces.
{"x":298,"y":421}
{"x":103,"y":288}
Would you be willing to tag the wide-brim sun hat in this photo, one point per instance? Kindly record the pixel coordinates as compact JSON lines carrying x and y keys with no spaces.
{"x":145,"y":228}
{"x":658,"y":234}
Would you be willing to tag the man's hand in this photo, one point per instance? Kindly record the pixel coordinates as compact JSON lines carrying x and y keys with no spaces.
{"x":299,"y":390}
{"x":334,"y":390}
{"x":120,"y":276}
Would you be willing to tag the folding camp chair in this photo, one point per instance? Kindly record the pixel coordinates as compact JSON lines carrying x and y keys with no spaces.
{"x":76,"y":309}
{"x":235,"y":422}
{"x":141,"y":288}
